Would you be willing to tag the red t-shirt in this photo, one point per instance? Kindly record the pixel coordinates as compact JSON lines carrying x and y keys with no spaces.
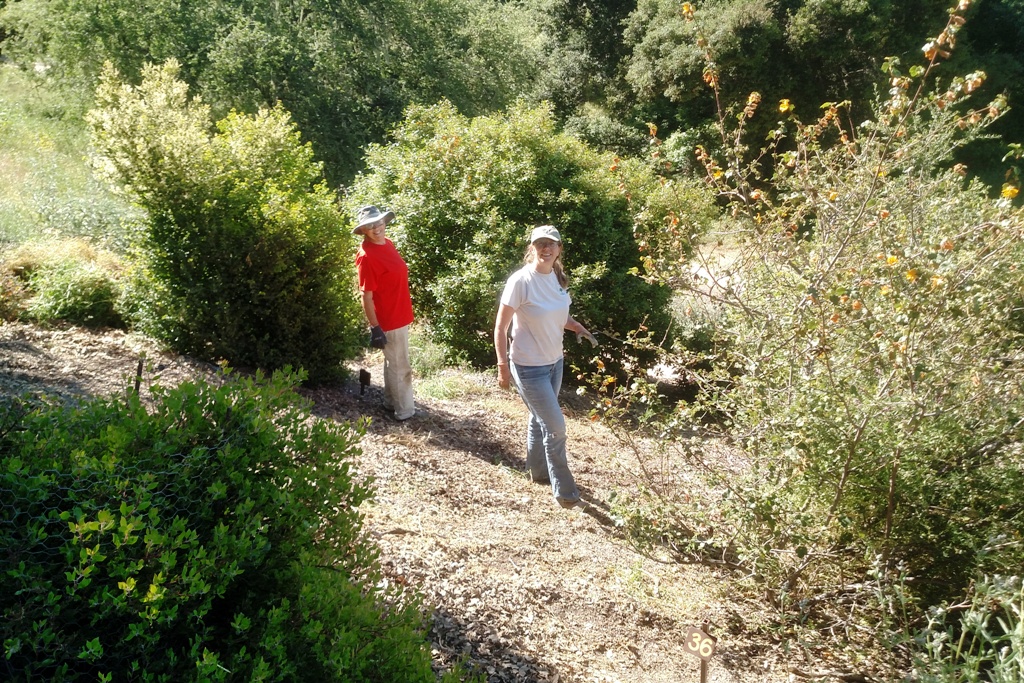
{"x":382,"y":271}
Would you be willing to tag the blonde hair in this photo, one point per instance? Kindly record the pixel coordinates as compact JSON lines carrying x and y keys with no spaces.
{"x":531,"y":255}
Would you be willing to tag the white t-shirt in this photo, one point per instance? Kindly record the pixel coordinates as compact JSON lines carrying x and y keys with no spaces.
{"x":541,"y":308}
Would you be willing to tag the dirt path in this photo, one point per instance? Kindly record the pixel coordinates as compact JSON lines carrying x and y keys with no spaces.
{"x":523,"y":589}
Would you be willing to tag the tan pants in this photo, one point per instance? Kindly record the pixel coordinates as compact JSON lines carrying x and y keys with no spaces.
{"x":398,"y":374}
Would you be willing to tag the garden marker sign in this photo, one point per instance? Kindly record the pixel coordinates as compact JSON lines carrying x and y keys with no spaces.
{"x":699,"y":644}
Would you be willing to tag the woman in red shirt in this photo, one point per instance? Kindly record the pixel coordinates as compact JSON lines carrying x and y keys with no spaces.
{"x":384,"y":282}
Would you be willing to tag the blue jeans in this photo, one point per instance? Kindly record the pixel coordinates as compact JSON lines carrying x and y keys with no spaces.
{"x":538,"y":385}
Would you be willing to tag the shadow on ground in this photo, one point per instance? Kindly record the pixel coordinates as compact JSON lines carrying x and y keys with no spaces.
{"x":482,"y":651}
{"x":471,"y":434}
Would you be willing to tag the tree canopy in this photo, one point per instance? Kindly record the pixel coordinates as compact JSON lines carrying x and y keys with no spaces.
{"x":345,"y":70}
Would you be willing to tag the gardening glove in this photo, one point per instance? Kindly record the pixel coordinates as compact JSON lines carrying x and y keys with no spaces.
{"x":378,"y":339}
{"x":580,"y":336}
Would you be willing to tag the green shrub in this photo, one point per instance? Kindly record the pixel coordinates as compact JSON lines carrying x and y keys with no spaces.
{"x":426,"y":356}
{"x":599,"y":129}
{"x":75,"y":291}
{"x":212,"y":536}
{"x":466,"y":193}
{"x":244,"y":246}
{"x":982,"y":639}
{"x":13,"y":296}
{"x":68,"y":279}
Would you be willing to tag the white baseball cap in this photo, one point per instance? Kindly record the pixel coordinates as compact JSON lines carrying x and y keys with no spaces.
{"x":545,"y":232}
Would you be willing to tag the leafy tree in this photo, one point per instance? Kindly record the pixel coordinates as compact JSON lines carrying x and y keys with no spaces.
{"x":808,"y":51}
{"x":345,"y":70}
{"x":467,"y":191}
{"x":582,"y":52}
{"x":244,"y":256}
{"x":584,"y":48}
{"x":76,"y":37}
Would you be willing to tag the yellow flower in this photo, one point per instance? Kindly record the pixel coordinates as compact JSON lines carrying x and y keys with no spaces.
{"x":1010,"y":191}
{"x":912,"y":275}
{"x":785,"y":106}
{"x":892,"y":259}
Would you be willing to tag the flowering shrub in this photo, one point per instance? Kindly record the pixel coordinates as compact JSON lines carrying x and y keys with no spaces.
{"x":869,"y":359}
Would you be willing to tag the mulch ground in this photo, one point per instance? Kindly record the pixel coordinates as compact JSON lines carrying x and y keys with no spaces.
{"x":514,"y":586}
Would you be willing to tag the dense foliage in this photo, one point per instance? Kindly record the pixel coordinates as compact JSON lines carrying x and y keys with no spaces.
{"x":212,"y":536}
{"x":344,"y":70}
{"x":69,"y":280}
{"x":244,"y":256}
{"x":809,"y":52}
{"x":467,"y":192}
{"x":868,"y":359}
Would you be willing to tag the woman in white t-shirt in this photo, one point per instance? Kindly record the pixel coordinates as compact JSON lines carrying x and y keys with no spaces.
{"x":535,"y":302}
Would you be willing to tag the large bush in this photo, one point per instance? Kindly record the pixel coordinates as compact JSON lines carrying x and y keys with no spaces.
{"x":467,"y":191}
{"x":213,"y":536}
{"x":245,"y":255}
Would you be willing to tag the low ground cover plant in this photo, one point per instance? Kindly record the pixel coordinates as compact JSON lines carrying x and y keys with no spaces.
{"x":67,"y":279}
